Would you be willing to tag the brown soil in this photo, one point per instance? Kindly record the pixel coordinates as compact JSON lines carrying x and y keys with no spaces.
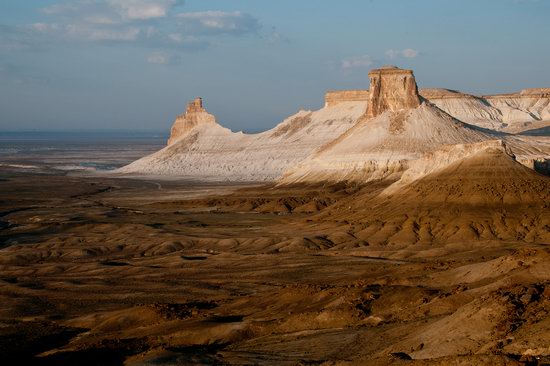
{"x":116,"y":271}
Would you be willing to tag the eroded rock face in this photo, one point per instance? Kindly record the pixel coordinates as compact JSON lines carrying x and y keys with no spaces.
{"x":391,"y":89}
{"x":334,"y":97}
{"x":194,"y":115}
{"x":351,"y":139}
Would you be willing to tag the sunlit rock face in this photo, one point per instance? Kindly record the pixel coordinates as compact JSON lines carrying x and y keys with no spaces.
{"x":200,"y":148}
{"x":527,"y":111}
{"x":334,"y":97}
{"x":194,"y":115}
{"x":391,"y":89}
{"x":359,"y":135}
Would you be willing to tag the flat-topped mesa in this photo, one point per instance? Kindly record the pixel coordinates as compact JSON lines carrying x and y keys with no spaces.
{"x":334,"y":97}
{"x":194,"y":115}
{"x":195,"y":106}
{"x":391,"y":89}
{"x":540,"y":92}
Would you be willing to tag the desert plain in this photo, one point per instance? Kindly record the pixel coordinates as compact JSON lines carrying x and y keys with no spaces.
{"x":111,"y":271}
{"x":381,"y":229}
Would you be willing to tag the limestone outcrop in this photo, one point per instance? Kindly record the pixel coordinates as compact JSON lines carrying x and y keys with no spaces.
{"x":333,"y":97}
{"x":383,"y":146}
{"x":527,"y":111}
{"x":194,"y":115}
{"x":201,"y":149}
{"x":541,"y":92}
{"x":359,"y":135}
{"x":391,"y":89}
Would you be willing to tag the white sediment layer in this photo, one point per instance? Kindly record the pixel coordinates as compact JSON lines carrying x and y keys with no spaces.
{"x":213,"y":153}
{"x":395,"y":129}
{"x":511,"y":112}
{"x":384,"y":145}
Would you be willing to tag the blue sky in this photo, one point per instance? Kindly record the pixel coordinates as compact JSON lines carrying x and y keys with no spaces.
{"x":133,"y":64}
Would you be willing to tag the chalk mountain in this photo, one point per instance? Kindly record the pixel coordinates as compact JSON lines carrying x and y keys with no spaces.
{"x":200,"y":148}
{"x":359,"y":135}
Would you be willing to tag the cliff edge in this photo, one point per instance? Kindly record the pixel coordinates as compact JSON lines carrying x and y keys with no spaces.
{"x":391,"y":89}
{"x":194,"y":115}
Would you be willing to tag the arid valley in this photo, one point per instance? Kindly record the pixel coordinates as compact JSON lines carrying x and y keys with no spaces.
{"x":294,"y":183}
{"x":101,"y":274}
{"x":394,"y":226}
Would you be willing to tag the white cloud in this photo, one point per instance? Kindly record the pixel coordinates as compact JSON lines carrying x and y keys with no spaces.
{"x":31,"y":37}
{"x":175,"y":37}
{"x":142,"y":9}
{"x":90,"y":33}
{"x":64,"y":8}
{"x":159,"y":58}
{"x":410,"y":53}
{"x":219,"y":22}
{"x":351,"y":63}
{"x":45,"y":27}
{"x":99,"y":19}
{"x":112,"y":11}
{"x":129,"y":21}
{"x":407,"y":53}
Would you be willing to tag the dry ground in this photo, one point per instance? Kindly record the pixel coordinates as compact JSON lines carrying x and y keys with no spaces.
{"x":112,"y":271}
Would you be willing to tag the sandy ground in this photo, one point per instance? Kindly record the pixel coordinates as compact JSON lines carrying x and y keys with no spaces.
{"x":136,"y":272}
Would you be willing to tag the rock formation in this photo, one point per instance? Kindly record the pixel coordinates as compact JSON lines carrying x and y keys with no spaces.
{"x":515,"y":113}
{"x":391,"y":89}
{"x":194,"y":115}
{"x":359,"y":135}
{"x":480,"y":193}
{"x":384,"y":145}
{"x":527,"y":111}
{"x":201,"y":149}
{"x":333,"y":97}
{"x":401,"y":127}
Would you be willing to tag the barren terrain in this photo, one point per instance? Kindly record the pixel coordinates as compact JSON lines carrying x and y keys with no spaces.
{"x":113,"y":271}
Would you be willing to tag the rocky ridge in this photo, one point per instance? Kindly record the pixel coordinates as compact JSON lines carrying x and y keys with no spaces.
{"x":528,"y":110}
{"x":359,"y":135}
{"x":202,"y":149}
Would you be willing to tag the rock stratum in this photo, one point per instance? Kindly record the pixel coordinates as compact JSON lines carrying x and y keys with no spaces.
{"x":392,"y":89}
{"x":397,"y":231}
{"x":195,"y":115}
{"x":202,"y":149}
{"x":360,"y":136}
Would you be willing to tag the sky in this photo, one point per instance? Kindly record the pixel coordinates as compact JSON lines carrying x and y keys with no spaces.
{"x":134,"y":64}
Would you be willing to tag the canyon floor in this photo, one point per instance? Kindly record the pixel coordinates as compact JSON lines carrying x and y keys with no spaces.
{"x":97,"y":270}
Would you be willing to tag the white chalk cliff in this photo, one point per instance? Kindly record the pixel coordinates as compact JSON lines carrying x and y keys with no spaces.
{"x":359,"y":135}
{"x":398,"y":127}
{"x":201,"y":149}
{"x":527,"y":110}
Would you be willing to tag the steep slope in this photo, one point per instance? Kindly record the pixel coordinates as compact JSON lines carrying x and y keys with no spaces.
{"x":523,"y":111}
{"x":515,"y":113}
{"x":204,"y":150}
{"x":465,"y":107}
{"x":358,"y":136}
{"x":527,"y":112}
{"x":391,"y":89}
{"x":484,"y":196}
{"x":384,"y":145}
{"x":402,"y":126}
